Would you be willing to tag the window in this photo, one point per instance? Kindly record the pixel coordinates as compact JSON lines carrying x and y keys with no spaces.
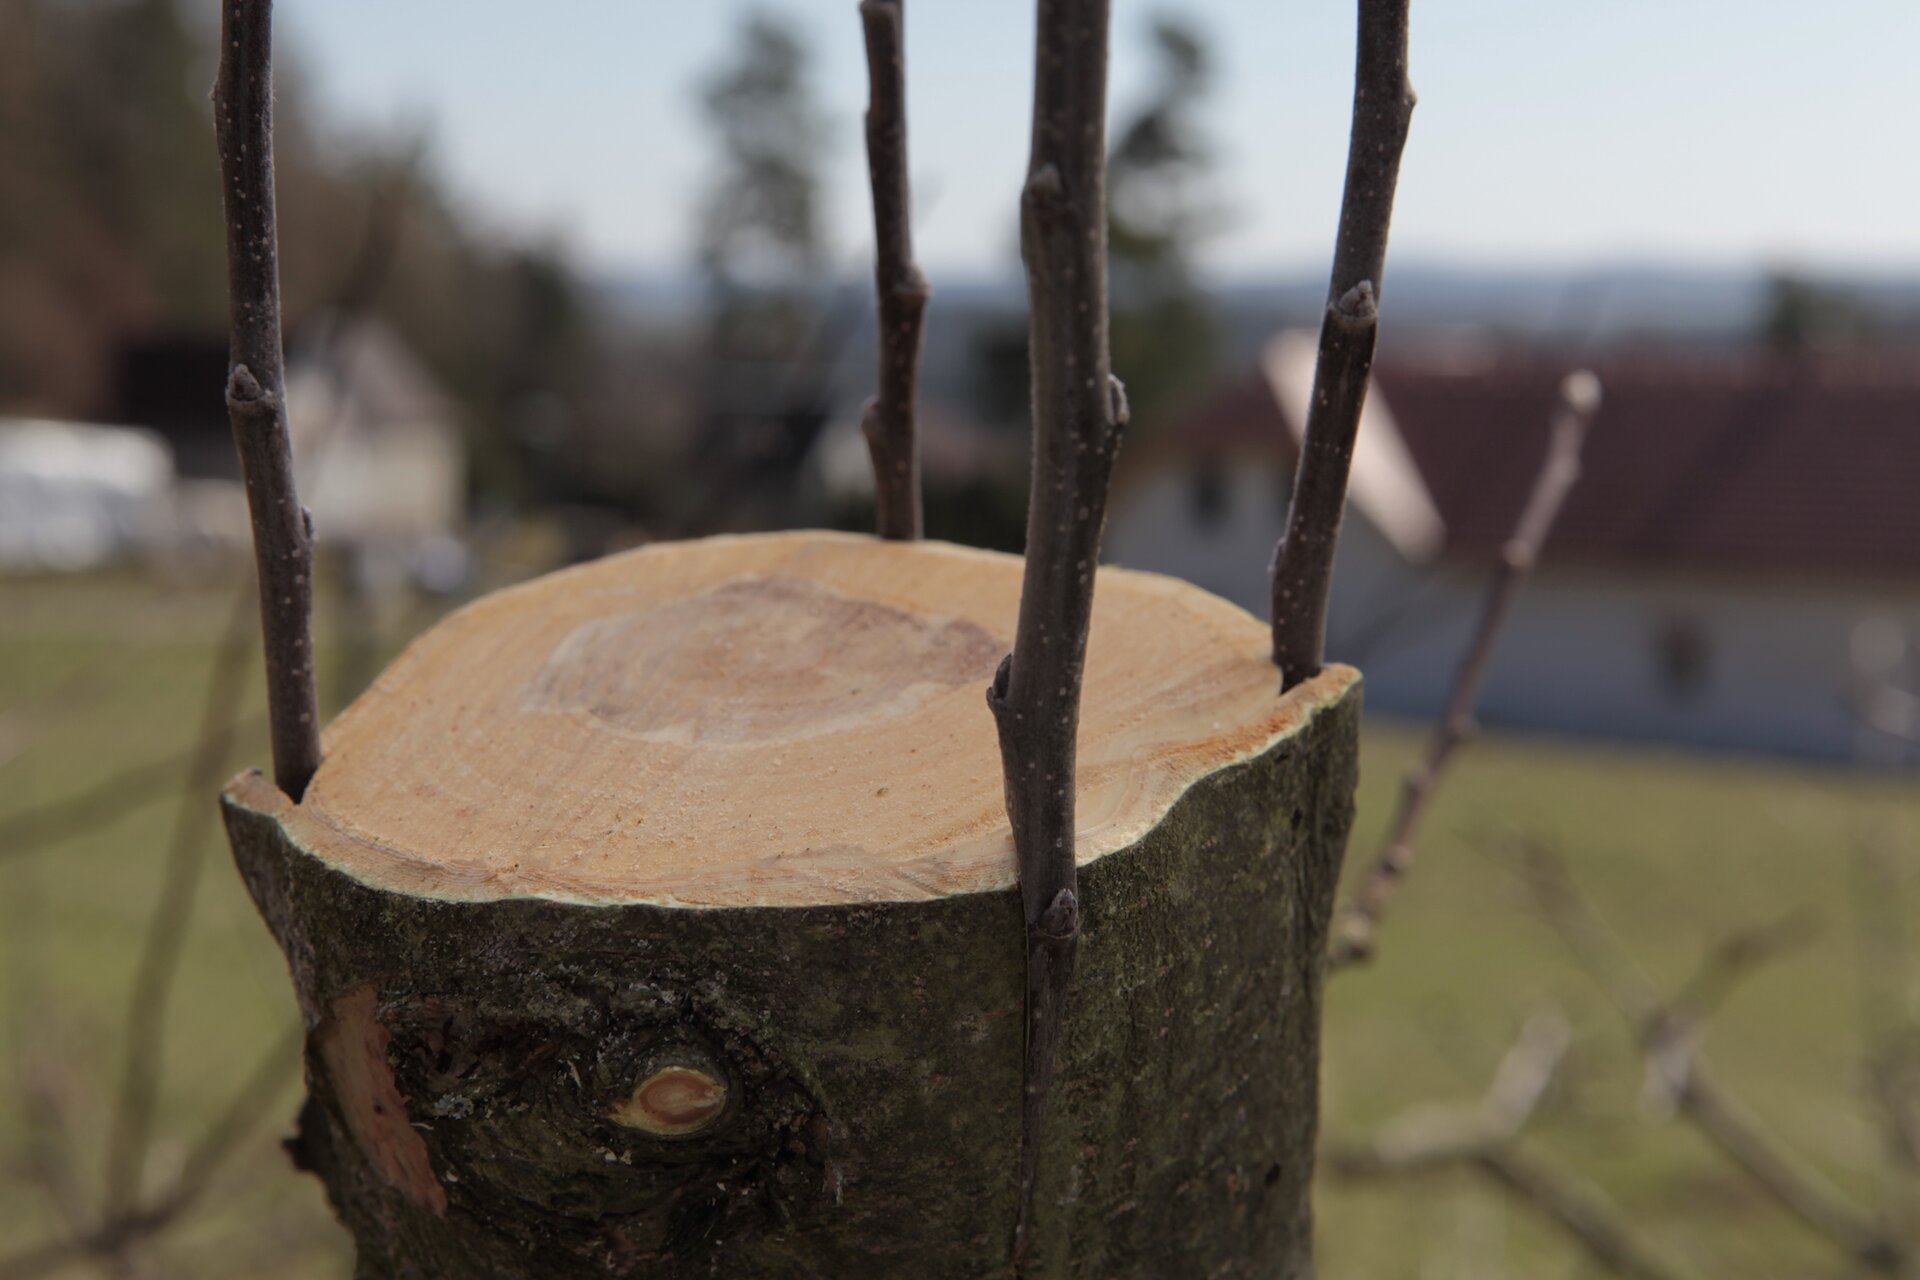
{"x":1207,"y":493}
{"x":1682,"y":656}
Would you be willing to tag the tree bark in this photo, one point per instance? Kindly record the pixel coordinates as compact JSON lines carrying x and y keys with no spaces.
{"x":514,"y":1073}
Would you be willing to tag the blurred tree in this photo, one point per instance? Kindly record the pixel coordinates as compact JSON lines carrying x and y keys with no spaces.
{"x":759,"y":231}
{"x":1165,"y":338}
{"x":1164,"y":334}
{"x":1800,"y":313}
{"x":772,"y":336}
{"x":110,"y":229}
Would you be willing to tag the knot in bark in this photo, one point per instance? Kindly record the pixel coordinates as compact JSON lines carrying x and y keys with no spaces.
{"x":1358,"y":306}
{"x":245,"y":392}
{"x":1061,"y":920}
{"x":1046,"y":192}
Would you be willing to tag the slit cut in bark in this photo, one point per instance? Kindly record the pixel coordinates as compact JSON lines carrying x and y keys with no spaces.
{"x":704,"y":952}
{"x":899,"y":286}
{"x":1079,"y":415}
{"x":1303,"y":562}
{"x":256,"y":388}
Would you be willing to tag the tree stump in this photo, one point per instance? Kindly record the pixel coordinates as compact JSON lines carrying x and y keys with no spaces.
{"x":658,"y":918}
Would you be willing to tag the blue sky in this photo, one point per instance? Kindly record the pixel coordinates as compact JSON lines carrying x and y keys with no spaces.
{"x":1549,"y":133}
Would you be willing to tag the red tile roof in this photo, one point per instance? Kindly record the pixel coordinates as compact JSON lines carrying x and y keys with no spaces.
{"x":1761,"y":462}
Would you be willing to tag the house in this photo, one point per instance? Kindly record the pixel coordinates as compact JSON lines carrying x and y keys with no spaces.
{"x":1739,"y":567}
{"x":79,"y":495}
{"x":379,"y":452}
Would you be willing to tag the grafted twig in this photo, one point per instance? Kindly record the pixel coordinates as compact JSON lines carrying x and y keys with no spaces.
{"x":1484,"y":1137}
{"x":1357,"y":930}
{"x":1669,"y":1033}
{"x":899,"y":285}
{"x":1079,"y":414}
{"x":1303,"y":562}
{"x":256,"y":388}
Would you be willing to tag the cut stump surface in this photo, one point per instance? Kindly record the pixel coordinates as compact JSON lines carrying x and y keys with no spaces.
{"x":670,"y":900}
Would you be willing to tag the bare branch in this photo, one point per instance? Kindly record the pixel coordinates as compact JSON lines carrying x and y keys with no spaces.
{"x":1356,"y":933}
{"x":256,"y":388}
{"x":119,"y":1232}
{"x":1669,"y":1032}
{"x":243,"y":1114}
{"x":1303,"y":562}
{"x":1602,"y":1231}
{"x":898,"y":283}
{"x":1884,"y":955}
{"x":131,"y":1129}
{"x":1484,"y":1137}
{"x":100,"y":805}
{"x":1079,"y":415}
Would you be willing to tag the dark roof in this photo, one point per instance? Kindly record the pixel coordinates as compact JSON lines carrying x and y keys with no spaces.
{"x":175,"y":384}
{"x":1766,"y":462}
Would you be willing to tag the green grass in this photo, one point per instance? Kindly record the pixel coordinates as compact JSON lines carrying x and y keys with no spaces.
{"x":100,"y":673}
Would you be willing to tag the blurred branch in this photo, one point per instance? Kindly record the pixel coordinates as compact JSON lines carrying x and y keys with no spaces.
{"x":116,"y":1233}
{"x":102,"y":804}
{"x":1579,"y":1209}
{"x":899,"y":285}
{"x":1428,"y":1136}
{"x":1483,"y":1137}
{"x":159,"y":964}
{"x":22,"y":722}
{"x":1356,"y":931}
{"x":1669,"y":1032}
{"x":1885,"y":961}
{"x":155,"y":977}
{"x":256,"y":388}
{"x":1303,"y":562}
{"x":1079,"y":415}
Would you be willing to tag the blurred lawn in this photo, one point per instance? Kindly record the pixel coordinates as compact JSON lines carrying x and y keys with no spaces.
{"x":101,"y":673}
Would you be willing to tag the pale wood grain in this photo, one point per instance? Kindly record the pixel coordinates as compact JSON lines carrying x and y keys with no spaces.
{"x":770,"y":720}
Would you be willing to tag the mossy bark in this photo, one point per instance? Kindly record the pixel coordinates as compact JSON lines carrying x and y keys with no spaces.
{"x":467,"y":1061}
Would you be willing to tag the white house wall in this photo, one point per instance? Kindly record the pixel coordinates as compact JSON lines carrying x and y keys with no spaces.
{"x":1152,"y":526}
{"x":1583,"y":653}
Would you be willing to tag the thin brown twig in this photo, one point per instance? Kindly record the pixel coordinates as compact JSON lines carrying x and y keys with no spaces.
{"x":899,"y":285}
{"x":1303,"y":561}
{"x":1484,"y":1137}
{"x":256,"y":388}
{"x":1883,"y":955}
{"x":1669,"y":1033}
{"x":1357,"y":931}
{"x":159,"y":965}
{"x":1079,"y":415}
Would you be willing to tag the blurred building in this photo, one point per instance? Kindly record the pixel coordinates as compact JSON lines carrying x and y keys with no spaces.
{"x":79,"y":495}
{"x":378,"y":449}
{"x":1738,"y":568}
